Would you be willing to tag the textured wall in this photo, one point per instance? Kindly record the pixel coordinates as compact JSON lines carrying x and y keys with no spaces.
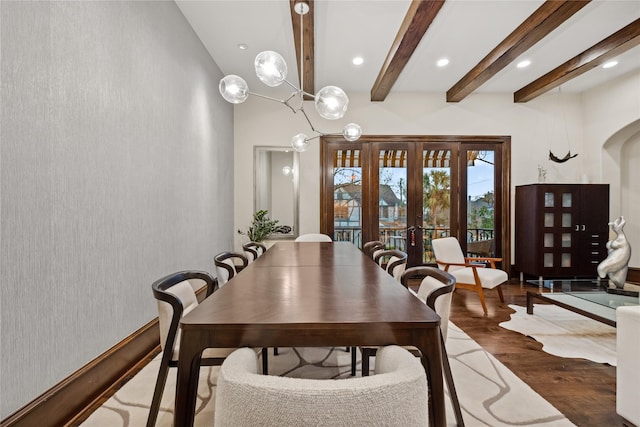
{"x":117,"y":168}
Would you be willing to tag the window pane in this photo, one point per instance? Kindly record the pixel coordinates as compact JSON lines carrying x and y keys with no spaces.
{"x":548,"y":260}
{"x":548,"y":220}
{"x":548,"y":200}
{"x":436,"y":198}
{"x":481,"y":203}
{"x":392,"y":198}
{"x":347,"y":197}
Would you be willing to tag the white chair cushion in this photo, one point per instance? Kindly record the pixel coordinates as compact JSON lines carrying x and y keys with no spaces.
{"x":223,"y":274}
{"x":397,"y":395}
{"x":490,"y":277}
{"x":313,"y":237}
{"x":447,"y":249}
{"x":397,"y":272}
{"x":443,"y":302}
{"x":184,"y":292}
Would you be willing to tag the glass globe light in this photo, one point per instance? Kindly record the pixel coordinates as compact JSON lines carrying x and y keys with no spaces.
{"x":299,"y":142}
{"x":331,"y":102}
{"x":352,"y":132}
{"x":234,"y":89}
{"x":271,"y":68}
{"x":286,"y":171}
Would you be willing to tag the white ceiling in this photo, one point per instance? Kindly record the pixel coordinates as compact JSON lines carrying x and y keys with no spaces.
{"x":464,"y":32}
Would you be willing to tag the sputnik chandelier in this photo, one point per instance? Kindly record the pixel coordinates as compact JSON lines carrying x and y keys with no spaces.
{"x":331,"y":102}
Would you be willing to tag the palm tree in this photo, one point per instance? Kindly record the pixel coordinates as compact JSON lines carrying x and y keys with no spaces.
{"x":436,"y":196}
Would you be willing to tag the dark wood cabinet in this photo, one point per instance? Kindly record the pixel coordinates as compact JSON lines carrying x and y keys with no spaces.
{"x":561,"y":229}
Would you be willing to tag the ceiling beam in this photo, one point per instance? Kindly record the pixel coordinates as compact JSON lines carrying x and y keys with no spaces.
{"x":305,"y":66}
{"x":419,"y":17}
{"x":539,"y":24}
{"x":614,"y":45}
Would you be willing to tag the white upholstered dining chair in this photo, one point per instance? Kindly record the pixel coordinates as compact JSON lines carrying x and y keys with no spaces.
{"x":228,"y":264}
{"x":395,"y":396}
{"x":372,"y":248}
{"x":436,"y":289}
{"x":252,"y":250}
{"x":176,"y":297}
{"x":393,"y":261}
{"x":313,"y":237}
{"x":470,"y":273}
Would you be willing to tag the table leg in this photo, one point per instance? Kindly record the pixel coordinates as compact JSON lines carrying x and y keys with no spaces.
{"x":430,"y":349}
{"x":187,"y":382}
{"x":529,"y":303}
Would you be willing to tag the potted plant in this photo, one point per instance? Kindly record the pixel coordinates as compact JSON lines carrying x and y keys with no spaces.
{"x":261,"y":226}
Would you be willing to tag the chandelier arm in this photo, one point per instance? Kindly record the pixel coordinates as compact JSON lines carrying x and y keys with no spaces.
{"x":286,"y":102}
{"x":282,"y":101}
{"x":314,"y":137}
{"x":304,"y":113}
{"x":296,"y":88}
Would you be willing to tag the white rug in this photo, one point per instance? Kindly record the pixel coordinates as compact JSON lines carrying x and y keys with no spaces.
{"x":489,"y":393}
{"x":564,"y":333}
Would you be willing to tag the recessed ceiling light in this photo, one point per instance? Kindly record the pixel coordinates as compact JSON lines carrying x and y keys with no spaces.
{"x":610,"y":64}
{"x":242,"y":46}
{"x":442,"y":62}
{"x":358,"y":60}
{"x":523,"y":64}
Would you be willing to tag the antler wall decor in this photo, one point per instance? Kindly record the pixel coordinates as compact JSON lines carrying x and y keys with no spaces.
{"x":556,"y":159}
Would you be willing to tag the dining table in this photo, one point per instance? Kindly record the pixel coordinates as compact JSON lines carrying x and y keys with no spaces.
{"x":309,"y":294}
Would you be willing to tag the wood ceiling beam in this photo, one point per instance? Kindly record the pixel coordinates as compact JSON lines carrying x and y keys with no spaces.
{"x":306,"y":65}
{"x":614,"y":45}
{"x":539,"y":24}
{"x":419,"y":17}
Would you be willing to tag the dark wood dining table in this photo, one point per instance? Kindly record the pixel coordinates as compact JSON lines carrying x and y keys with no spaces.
{"x":309,"y":294}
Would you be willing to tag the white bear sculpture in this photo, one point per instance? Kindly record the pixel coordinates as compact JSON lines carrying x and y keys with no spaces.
{"x":616,"y":264}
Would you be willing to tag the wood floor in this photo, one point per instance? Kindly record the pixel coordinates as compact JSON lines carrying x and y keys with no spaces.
{"x":584,"y":391}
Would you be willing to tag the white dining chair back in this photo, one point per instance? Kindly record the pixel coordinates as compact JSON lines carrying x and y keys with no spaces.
{"x":175,"y":298}
{"x":393,"y":261}
{"x":396,"y":395}
{"x":252,"y":250}
{"x":313,"y":237}
{"x":227,"y":265}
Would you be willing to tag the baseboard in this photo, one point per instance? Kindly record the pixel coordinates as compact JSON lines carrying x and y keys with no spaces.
{"x":633,"y":275}
{"x":69,"y":399}
{"x":69,"y":402}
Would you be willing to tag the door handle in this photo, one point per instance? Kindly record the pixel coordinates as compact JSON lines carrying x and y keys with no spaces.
{"x":584,"y":227}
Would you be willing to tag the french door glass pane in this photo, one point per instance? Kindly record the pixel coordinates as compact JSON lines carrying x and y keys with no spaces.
{"x":436,"y":199}
{"x":392,"y":198}
{"x":347,"y":197}
{"x":481,"y":203}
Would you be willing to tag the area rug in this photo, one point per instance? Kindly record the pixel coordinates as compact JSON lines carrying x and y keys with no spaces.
{"x":564,"y":333}
{"x":489,"y":393}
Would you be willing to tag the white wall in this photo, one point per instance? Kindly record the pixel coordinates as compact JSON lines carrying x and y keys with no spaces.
{"x":116,"y":163}
{"x":535,"y":128}
{"x":612,"y":137}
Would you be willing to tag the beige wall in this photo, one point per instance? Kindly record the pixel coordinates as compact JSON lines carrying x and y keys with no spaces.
{"x":554,"y":121}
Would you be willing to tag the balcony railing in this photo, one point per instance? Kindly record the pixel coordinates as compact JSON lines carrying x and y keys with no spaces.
{"x":396,"y":237}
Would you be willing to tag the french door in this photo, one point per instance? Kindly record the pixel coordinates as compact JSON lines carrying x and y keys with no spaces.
{"x":408,"y":190}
